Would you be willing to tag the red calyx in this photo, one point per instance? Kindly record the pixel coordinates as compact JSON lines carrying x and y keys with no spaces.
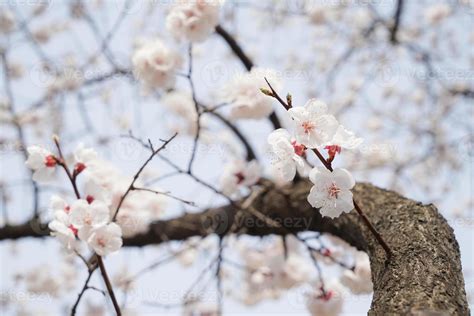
{"x":50,"y":161}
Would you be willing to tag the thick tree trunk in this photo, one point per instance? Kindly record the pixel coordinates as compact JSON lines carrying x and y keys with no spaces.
{"x":424,"y":276}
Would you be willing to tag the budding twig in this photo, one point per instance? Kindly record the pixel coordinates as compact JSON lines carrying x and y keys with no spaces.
{"x":328,"y":166}
{"x":62,"y":162}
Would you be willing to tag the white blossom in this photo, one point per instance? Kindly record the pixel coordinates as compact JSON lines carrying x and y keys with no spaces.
{"x":331,"y":191}
{"x":86,"y":216}
{"x":327,"y":303}
{"x":42,"y":162}
{"x":359,"y":281}
{"x":64,"y":234}
{"x":295,"y":271}
{"x":84,"y":156}
{"x":289,"y":154}
{"x":40,"y":280}
{"x":345,"y":139}
{"x":437,"y":12}
{"x":137,"y":210}
{"x":61,"y":226}
{"x":314,"y":127}
{"x":200,"y":309}
{"x":155,"y":64}
{"x":243,"y":92}
{"x":238,"y":174}
{"x":7,"y":21}
{"x":94,"y":191}
{"x":106,"y":239}
{"x":270,"y":272}
{"x":193,"y":20}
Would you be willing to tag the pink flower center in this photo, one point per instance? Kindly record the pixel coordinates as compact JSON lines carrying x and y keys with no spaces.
{"x":308,"y":126}
{"x":158,"y":60}
{"x":240,"y":177}
{"x":88,"y":219}
{"x":90,"y":199}
{"x":299,"y":148}
{"x":50,"y":161}
{"x":67,"y":209}
{"x":101,"y":242}
{"x":333,"y":190}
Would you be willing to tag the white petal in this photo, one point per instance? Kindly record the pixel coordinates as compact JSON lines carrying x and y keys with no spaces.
{"x":298,"y":114}
{"x":318,"y":174}
{"x":330,"y":210}
{"x":315,"y":198}
{"x":278,"y":134}
{"x":343,"y":179}
{"x":286,"y":169}
{"x":43,"y":174}
{"x":316,"y":107}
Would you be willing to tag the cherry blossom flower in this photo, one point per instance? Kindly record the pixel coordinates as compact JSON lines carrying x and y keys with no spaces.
{"x":106,"y":239}
{"x":200,"y":309}
{"x":238,"y":174}
{"x":193,"y":20}
{"x":359,"y":281}
{"x":437,"y":12}
{"x":61,"y":226}
{"x":331,"y":191}
{"x":270,"y":273}
{"x":342,"y":139}
{"x":83,"y":157}
{"x":41,"y":280}
{"x":295,"y":271}
{"x":243,"y":92}
{"x":155,"y":64}
{"x":65,"y":234}
{"x":94,"y":191}
{"x":138,"y":209}
{"x":314,"y":127}
{"x":345,"y":139}
{"x":7,"y":21}
{"x":289,"y":154}
{"x":59,"y":208}
{"x":86,"y":216}
{"x":326,"y":303}
{"x":42,"y":162}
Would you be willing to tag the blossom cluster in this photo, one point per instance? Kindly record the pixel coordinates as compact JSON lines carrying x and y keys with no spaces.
{"x":244,"y":95}
{"x":315,"y":128}
{"x":273,"y":269}
{"x":89,"y":218}
{"x":269,"y":274}
{"x":154,"y":62}
{"x":86,"y":219}
{"x":193,"y":20}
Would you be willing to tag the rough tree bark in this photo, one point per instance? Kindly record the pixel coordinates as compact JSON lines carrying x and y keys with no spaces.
{"x":424,"y":276}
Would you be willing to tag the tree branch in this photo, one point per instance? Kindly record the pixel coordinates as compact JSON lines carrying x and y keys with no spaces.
{"x":423,"y":276}
{"x":396,"y":22}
